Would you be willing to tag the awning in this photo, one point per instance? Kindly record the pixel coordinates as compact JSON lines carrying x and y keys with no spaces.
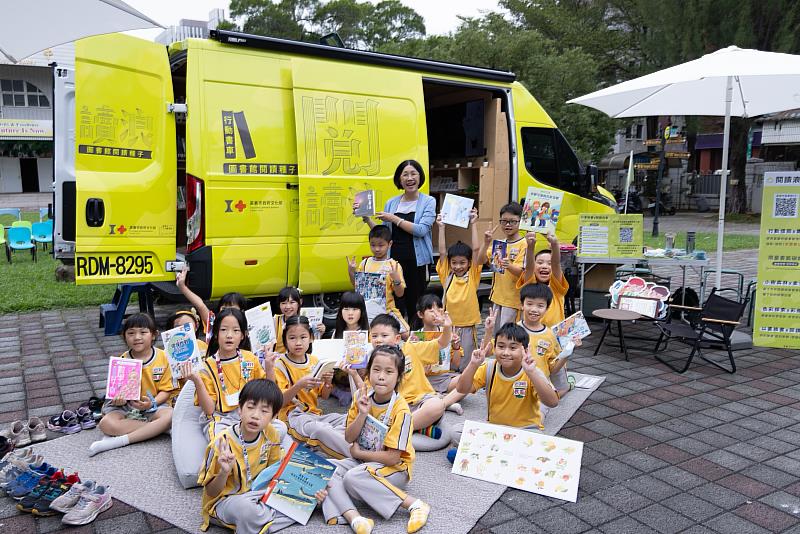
{"x":614,"y":161}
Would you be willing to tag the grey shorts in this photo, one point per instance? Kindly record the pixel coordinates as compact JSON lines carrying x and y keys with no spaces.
{"x":417,"y":405}
{"x":125,"y":409}
{"x":441,"y":381}
{"x":559,"y":379}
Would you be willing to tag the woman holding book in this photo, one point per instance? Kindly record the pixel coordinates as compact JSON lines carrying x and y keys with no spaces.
{"x":410,"y":216}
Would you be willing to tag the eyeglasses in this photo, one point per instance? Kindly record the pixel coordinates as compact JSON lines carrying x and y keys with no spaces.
{"x":509,"y":222}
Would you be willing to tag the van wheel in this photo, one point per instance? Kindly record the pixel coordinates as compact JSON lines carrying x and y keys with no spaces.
{"x":328,"y":301}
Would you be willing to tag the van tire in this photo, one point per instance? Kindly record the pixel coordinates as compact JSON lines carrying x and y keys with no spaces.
{"x":328,"y":301}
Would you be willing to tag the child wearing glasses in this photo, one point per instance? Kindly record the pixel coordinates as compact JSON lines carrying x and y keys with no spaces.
{"x":505,"y":294}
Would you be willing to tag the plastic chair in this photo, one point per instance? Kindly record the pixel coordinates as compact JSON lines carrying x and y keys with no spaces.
{"x":19,"y":238}
{"x":23,"y":224}
{"x":43,"y":233}
{"x":5,"y":243}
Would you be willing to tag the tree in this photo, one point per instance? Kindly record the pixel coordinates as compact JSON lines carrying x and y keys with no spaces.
{"x":288,"y":19}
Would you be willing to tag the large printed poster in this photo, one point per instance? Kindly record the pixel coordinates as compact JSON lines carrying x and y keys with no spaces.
{"x":777,"y":307}
{"x":520,"y":459}
{"x":610,"y":235}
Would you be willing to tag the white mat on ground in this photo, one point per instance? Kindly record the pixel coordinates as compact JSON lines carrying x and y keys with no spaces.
{"x":143,"y":476}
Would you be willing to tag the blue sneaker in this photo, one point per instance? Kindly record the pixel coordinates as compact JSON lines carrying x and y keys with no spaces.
{"x":451,"y":455}
{"x":27,"y":481}
{"x":30,"y":470}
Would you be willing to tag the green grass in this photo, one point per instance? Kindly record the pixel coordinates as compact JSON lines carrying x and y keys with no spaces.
{"x":27,"y":286}
{"x":705,"y":241}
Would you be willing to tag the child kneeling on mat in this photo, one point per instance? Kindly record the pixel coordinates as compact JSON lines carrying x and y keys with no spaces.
{"x":377,"y":473}
{"x":139,"y":420}
{"x":513,"y":390}
{"x":236,"y":457}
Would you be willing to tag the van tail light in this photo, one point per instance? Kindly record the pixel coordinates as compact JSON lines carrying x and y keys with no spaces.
{"x":195,"y":217}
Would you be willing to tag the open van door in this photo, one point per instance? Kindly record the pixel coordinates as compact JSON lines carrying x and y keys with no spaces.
{"x":125,"y":161}
{"x":354,"y":125}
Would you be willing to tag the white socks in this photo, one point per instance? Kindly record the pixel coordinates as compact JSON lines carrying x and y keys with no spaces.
{"x":456,"y":407}
{"x":414,"y":505}
{"x":108,"y":443}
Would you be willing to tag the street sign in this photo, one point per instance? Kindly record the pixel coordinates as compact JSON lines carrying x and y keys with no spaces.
{"x":677,"y":155}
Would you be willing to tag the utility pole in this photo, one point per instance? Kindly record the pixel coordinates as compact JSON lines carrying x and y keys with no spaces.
{"x":661,"y":162}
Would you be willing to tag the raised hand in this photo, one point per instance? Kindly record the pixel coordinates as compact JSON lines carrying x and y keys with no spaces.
{"x":552,"y":240}
{"x":351,"y":263}
{"x":363,"y":402}
{"x":529,"y":363}
{"x":491,"y":320}
{"x":530,"y":239}
{"x":447,"y":321}
{"x":180,"y":278}
{"x":487,"y":235}
{"x":225,"y":459}
{"x":187,"y":371}
{"x":397,"y":278}
{"x":455,"y":341}
{"x":478,"y":357}
{"x":270,"y":357}
{"x":439,"y":221}
{"x":473,"y":215}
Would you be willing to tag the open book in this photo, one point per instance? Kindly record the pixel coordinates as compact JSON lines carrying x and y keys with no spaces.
{"x":300,"y":476}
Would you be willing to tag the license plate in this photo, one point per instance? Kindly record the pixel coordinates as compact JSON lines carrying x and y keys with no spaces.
{"x":114,"y":265}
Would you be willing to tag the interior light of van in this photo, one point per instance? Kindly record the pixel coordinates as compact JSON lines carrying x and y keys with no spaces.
{"x":195,"y":218}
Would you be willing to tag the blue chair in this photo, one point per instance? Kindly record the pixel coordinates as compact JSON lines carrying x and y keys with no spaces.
{"x":4,"y":243}
{"x":43,"y":233}
{"x":19,"y":238}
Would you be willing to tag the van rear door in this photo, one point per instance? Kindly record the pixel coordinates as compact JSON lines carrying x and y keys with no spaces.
{"x":354,"y":125}
{"x":125,"y":161}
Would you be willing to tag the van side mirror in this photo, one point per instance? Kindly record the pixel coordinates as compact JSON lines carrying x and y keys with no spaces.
{"x":592,"y":175}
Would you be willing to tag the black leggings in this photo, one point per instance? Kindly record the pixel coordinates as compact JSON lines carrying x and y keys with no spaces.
{"x":416,"y":282}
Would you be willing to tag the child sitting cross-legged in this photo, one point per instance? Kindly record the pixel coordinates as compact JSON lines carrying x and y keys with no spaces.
{"x":425,"y":404}
{"x":236,"y":457}
{"x":514,"y":384}
{"x":378,"y":474}
{"x":139,"y":420}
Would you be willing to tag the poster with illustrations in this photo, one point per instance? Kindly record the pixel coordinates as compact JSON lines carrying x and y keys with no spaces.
{"x":372,"y":286}
{"x":520,"y":459}
{"x":124,"y":378}
{"x":455,"y":210}
{"x":637,"y":295}
{"x":180,"y":345}
{"x":365,"y":200}
{"x":541,"y":210}
{"x":261,"y":327}
{"x":573,"y":328}
{"x":499,"y":250}
{"x":356,"y":348}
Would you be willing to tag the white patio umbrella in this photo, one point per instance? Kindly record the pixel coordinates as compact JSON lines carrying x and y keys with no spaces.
{"x":34,"y":25}
{"x":730,"y":82}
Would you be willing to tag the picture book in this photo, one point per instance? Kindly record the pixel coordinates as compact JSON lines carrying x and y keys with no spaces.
{"x":520,"y":459}
{"x":315,"y":316}
{"x":124,"y":378}
{"x":324,"y":366}
{"x":366,"y":203}
{"x":444,"y":354}
{"x":541,"y":210}
{"x":328,"y":349}
{"x":300,"y":476}
{"x":180,"y":345}
{"x":455,"y":210}
{"x":372,"y":435}
{"x":261,"y":327}
{"x":572,"y":328}
{"x":372,"y":286}
{"x":356,"y":348}
{"x":499,"y":251}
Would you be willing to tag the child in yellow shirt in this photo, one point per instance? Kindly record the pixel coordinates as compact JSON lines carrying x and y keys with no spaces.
{"x":544,"y":267}
{"x":460,"y":277}
{"x":380,"y":242}
{"x":505,"y":293}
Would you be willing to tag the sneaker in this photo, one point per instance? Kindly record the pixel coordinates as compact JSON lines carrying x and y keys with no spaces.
{"x":43,"y":505}
{"x":95,"y":404}
{"x":28,"y":502}
{"x":19,"y":491}
{"x":66,"y":423}
{"x":18,"y":462}
{"x":88,"y":507}
{"x":21,"y":476}
{"x":65,"y":502}
{"x":418,"y":517}
{"x":18,"y":434}
{"x":36,"y":429}
{"x":85,"y":418}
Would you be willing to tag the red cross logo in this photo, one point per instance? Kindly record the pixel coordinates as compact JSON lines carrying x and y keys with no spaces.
{"x":240,"y":206}
{"x":121,"y":229}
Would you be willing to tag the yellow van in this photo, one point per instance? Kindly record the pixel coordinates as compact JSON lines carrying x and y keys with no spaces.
{"x":240,"y":155}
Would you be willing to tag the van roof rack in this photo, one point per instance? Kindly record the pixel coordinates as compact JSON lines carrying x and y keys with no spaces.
{"x":359,"y":56}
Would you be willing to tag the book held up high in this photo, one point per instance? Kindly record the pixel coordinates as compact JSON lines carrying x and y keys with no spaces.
{"x":366,"y":203}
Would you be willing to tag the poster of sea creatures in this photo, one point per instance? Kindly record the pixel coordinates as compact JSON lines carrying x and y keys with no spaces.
{"x":520,"y":459}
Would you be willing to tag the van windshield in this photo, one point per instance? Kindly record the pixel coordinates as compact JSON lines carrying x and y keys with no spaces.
{"x":550,"y":159}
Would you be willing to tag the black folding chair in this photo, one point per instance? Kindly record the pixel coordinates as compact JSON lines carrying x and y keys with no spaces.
{"x":711,"y":325}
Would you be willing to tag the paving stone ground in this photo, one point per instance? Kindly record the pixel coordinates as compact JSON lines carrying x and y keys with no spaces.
{"x":701,"y":452}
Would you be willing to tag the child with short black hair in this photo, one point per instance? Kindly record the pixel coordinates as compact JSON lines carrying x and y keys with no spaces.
{"x":289,"y":303}
{"x":505,"y":293}
{"x":460,"y":277}
{"x":514,"y":384}
{"x":425,"y":404}
{"x":139,"y":420}
{"x":544,"y":267}
{"x":235,"y":459}
{"x":380,"y":242}
{"x":377,"y":477}
{"x":352,"y":314}
{"x":301,"y":389}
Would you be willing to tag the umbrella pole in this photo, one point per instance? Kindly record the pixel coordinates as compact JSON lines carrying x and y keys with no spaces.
{"x":628,"y":180}
{"x":723,"y":179}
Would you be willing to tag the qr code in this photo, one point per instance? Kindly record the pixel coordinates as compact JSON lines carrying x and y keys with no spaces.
{"x":785,"y":206}
{"x":626,"y":234}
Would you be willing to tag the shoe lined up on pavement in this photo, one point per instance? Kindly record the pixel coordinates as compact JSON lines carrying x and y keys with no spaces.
{"x":44,"y":490}
{"x":22,"y":433}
